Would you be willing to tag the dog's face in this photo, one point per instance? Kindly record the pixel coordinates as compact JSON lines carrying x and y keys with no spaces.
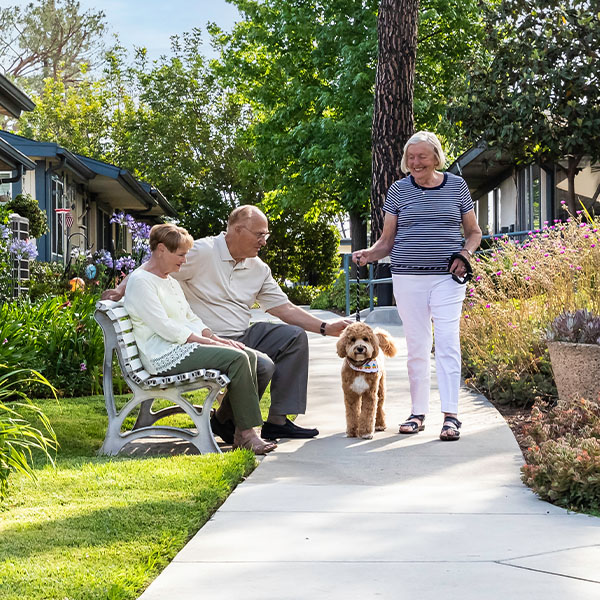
{"x":358,"y":342}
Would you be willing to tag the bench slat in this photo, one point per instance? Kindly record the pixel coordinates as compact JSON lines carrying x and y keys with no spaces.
{"x":126,"y":338}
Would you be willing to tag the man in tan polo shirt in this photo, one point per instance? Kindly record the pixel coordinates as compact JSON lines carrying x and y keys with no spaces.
{"x":222,"y":279}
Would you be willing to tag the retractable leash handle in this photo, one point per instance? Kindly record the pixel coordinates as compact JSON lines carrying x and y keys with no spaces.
{"x":469,"y":269}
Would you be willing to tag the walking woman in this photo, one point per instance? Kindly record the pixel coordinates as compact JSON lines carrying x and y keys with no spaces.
{"x":424,"y":213}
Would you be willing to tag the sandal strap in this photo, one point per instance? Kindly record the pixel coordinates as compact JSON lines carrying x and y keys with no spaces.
{"x":452,"y":420}
{"x":420,"y":417}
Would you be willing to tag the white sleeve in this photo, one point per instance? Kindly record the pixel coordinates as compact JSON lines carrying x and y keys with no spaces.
{"x":143,"y":303}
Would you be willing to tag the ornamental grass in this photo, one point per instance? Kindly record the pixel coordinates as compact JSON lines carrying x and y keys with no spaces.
{"x":518,"y":288}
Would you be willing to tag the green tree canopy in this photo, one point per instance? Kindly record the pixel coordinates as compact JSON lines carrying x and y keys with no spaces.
{"x":537,"y":95}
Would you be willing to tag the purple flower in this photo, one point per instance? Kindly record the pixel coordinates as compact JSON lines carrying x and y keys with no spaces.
{"x":83,"y":367}
{"x":126,"y":264}
{"x":5,"y":341}
{"x":4,"y":231}
{"x":103,"y":257}
{"x":23,"y":250}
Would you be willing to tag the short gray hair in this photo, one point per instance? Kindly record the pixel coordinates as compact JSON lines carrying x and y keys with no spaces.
{"x":432,"y":140}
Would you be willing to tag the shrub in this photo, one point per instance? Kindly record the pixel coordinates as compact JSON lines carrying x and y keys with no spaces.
{"x":58,"y":337}
{"x":518,"y":289}
{"x":333,"y":297}
{"x":301,"y":294}
{"x":26,"y":206}
{"x":18,"y":437}
{"x":46,"y":279}
{"x":564,"y":454}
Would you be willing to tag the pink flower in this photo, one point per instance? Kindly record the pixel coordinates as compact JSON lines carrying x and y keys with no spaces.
{"x":498,"y":272}
{"x":546,"y":254}
{"x":466,"y":316}
{"x":533,"y":267}
{"x":478,"y":278}
{"x":5,"y":341}
{"x":488,"y":305}
{"x":527,"y":278}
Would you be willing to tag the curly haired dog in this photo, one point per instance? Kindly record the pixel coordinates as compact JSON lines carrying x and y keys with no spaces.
{"x":363,"y":377}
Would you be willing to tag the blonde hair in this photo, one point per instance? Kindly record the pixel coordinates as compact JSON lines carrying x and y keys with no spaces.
{"x":432,"y":140}
{"x":172,"y":236}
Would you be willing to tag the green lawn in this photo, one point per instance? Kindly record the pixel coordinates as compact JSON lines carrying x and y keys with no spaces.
{"x":98,"y":527}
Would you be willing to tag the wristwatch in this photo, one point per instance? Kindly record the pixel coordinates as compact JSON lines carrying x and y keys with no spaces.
{"x":468,"y":252}
{"x":322,"y":328}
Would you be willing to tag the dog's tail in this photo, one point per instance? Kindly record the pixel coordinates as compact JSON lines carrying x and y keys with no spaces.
{"x":386,"y":342}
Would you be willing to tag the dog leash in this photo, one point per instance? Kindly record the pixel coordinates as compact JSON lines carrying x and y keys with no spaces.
{"x":357,"y":294}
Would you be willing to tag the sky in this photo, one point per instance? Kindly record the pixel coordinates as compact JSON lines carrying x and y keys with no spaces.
{"x":151,"y":23}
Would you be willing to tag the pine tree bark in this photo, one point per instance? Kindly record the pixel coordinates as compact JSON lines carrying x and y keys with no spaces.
{"x":393,"y":123}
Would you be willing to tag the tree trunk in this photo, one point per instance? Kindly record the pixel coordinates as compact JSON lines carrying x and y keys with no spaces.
{"x":393,"y":123}
{"x":358,"y":234}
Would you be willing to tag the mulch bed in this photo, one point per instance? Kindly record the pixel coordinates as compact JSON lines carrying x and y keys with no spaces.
{"x":516,"y":418}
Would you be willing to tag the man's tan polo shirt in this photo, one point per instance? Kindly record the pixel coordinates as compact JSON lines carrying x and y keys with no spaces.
{"x":222,"y":292}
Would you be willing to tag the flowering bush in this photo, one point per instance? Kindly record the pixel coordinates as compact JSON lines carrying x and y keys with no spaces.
{"x":101,"y":268}
{"x":63,"y":342}
{"x":23,"y":250}
{"x":519,"y":288}
{"x":564,"y":454}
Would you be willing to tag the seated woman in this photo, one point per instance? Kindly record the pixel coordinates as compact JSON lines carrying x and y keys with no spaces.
{"x":172,"y":339}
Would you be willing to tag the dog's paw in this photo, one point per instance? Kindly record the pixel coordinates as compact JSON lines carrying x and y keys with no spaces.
{"x":350,"y":434}
{"x":367,"y":436}
{"x":380,"y":427}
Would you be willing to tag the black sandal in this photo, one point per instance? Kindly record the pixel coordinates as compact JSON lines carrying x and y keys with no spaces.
{"x":414,"y":427}
{"x":454,"y":427}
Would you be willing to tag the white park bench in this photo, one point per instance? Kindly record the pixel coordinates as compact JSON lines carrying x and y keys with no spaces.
{"x":118,"y":338}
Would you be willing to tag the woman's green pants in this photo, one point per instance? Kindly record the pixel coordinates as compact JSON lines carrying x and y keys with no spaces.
{"x":240,"y":367}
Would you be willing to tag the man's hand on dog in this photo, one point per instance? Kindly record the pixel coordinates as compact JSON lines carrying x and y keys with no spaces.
{"x":335,"y":328}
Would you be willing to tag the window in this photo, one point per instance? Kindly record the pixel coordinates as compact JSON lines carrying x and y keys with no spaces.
{"x":103,"y":231}
{"x":58,"y":218}
{"x":529,"y":210}
{"x":6,"y":188}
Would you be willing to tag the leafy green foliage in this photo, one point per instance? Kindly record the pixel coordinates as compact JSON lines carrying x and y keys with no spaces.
{"x":301,"y":249}
{"x":333,"y":297}
{"x":307,"y":69}
{"x":534,"y":94}
{"x":564,"y":454}
{"x":59,"y":338}
{"x":27,"y":206}
{"x":18,"y":437}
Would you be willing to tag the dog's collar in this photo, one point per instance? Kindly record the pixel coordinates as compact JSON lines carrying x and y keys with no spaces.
{"x":370,"y":366}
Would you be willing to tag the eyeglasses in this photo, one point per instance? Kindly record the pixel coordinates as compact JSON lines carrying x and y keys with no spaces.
{"x":260,"y":235}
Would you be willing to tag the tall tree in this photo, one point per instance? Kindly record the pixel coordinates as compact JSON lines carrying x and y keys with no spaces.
{"x":393,"y":122}
{"x":536,"y":96}
{"x":49,"y":38}
{"x":308,"y":71}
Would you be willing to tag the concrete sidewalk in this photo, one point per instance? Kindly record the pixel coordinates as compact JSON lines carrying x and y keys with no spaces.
{"x":392,"y":517}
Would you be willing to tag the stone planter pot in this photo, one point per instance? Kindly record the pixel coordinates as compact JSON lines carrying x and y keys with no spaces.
{"x":576,"y":369}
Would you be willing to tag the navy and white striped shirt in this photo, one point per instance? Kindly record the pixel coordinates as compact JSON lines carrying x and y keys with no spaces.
{"x":429,"y":221}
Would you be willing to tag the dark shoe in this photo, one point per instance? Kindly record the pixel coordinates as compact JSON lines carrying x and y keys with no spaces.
{"x":270,"y":431}
{"x":411,"y":427}
{"x":224,"y":430}
{"x":450,"y":433}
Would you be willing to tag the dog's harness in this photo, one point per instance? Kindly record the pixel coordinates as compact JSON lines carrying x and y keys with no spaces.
{"x":370,"y":366}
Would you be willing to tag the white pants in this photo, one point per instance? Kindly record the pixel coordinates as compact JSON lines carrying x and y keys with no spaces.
{"x":421,"y":299}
